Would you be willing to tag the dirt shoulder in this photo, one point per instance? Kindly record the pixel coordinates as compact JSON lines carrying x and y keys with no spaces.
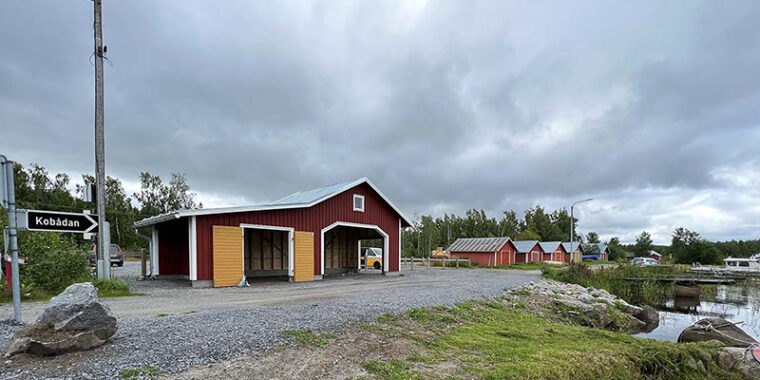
{"x":503,"y":337}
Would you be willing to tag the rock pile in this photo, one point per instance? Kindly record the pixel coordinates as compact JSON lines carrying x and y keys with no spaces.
{"x":75,"y":320}
{"x":590,"y":306}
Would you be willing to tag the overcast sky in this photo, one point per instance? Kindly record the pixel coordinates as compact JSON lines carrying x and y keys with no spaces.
{"x":651,"y":108}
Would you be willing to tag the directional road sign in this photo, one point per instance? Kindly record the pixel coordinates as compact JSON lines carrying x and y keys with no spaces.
{"x":54,"y":221}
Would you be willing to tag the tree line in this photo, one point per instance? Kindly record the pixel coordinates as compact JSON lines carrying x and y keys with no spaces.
{"x":536,"y":223}
{"x":686,"y":247}
{"x":37,"y":189}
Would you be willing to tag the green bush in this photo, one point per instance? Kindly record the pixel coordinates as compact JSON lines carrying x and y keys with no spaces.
{"x":53,"y":261}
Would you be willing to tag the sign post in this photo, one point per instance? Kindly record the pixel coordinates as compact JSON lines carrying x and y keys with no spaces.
{"x":6,"y":169}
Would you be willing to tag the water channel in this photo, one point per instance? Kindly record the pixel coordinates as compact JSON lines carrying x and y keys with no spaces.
{"x":731,"y":302}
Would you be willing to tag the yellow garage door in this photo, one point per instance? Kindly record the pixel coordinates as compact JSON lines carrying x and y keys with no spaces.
{"x":228,"y":255}
{"x":303,"y":256}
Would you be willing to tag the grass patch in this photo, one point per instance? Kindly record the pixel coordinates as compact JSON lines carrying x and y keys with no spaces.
{"x":528,"y":266}
{"x":393,"y":370}
{"x":29,"y":295}
{"x":499,"y":343}
{"x":308,"y":337}
{"x":32,"y":293}
{"x":137,"y":372}
{"x":161,"y":315}
{"x":113,"y":288}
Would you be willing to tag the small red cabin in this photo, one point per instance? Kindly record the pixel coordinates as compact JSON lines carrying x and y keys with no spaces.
{"x":553,"y":251}
{"x":529,"y":251}
{"x":484,"y":251}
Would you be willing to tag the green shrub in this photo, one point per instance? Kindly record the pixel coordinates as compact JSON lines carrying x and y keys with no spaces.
{"x":54,"y":261}
{"x":53,"y":270}
{"x":113,"y":288}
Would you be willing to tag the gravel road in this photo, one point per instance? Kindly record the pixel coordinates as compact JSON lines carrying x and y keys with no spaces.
{"x":207,"y":325}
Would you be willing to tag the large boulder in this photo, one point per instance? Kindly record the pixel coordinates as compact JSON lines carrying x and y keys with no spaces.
{"x":648,"y":315}
{"x":75,"y":320}
{"x":716,"y":329}
{"x":738,"y":359}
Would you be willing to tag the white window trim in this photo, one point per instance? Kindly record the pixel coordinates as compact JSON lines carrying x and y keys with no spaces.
{"x":360,"y":209}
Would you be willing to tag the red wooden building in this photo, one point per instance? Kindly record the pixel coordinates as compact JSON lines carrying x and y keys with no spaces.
{"x":529,"y":251}
{"x":304,"y":236}
{"x":553,"y":251}
{"x":573,"y":252}
{"x":604,"y":252}
{"x":484,"y":251}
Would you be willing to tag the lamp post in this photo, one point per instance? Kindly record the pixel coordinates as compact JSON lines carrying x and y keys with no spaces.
{"x":572,"y":228}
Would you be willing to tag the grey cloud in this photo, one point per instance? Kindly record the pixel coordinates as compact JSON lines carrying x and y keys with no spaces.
{"x":448,"y":106}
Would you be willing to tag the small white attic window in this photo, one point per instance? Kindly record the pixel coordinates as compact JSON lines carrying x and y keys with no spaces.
{"x":358,"y":202}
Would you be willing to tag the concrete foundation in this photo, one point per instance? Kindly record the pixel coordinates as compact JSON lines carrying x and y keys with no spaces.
{"x":202,"y":283}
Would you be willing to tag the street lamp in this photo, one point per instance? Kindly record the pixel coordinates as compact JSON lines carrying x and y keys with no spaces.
{"x":572,"y":227}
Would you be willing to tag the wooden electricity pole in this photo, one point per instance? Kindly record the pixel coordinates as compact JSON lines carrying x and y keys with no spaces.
{"x":104,"y":255}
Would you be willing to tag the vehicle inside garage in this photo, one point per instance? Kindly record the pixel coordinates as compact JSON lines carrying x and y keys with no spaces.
{"x":343,"y":249}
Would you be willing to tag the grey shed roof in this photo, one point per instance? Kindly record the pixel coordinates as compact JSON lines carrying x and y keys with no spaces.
{"x":576,"y":245}
{"x":602,"y":247}
{"x":550,"y":246}
{"x":524,"y":246}
{"x":478,"y":244}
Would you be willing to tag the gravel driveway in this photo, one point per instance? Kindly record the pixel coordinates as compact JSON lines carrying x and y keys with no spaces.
{"x":208,"y":325}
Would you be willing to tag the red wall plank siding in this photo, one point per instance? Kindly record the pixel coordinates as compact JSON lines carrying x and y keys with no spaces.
{"x":173,"y":249}
{"x":480,"y":258}
{"x":559,"y":254}
{"x":504,"y":256}
{"x":536,"y":254}
{"x":313,"y":219}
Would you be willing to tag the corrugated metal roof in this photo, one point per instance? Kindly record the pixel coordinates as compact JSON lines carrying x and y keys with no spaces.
{"x":524,"y":246}
{"x":477,"y":244}
{"x":312,"y":195}
{"x":550,"y":246}
{"x":567,"y":246}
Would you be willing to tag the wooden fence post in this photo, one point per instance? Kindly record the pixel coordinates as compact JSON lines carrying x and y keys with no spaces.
{"x":143,"y":262}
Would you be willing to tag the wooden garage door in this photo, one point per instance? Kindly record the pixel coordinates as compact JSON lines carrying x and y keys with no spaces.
{"x":303,"y":256}
{"x":228,"y":255}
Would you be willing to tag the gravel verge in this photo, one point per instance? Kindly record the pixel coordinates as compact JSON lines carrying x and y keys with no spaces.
{"x":174,"y":342}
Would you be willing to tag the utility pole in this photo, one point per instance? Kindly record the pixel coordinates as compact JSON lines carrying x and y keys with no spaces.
{"x":104,"y":255}
{"x":572,"y":228}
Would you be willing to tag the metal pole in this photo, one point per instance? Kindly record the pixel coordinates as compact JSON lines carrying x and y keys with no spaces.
{"x":572,"y":228}
{"x":100,"y":158}
{"x":5,"y":241}
{"x":13,"y":237}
